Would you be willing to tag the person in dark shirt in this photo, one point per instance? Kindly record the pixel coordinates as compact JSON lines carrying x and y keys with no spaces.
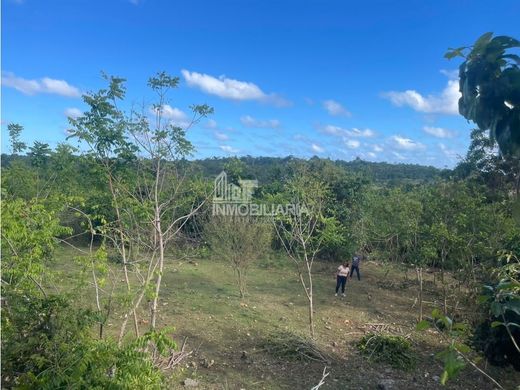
{"x":356,"y":259}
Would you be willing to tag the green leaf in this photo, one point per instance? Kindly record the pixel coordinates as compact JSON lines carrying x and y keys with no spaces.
{"x":513,"y":305}
{"x":422,"y":325}
{"x":482,"y":42}
{"x":436,"y":314}
{"x":495,"y":324}
{"x":463,"y":348}
{"x":444,"y":377}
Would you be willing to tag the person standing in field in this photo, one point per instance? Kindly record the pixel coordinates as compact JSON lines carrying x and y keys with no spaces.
{"x":356,"y":259}
{"x":341,"y":278}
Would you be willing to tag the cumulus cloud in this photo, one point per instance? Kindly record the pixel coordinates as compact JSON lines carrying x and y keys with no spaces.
{"x":342,"y":132}
{"x":335,"y":108}
{"x":228,"y":88}
{"x":73,"y":112}
{"x":444,"y":103}
{"x":406,"y":143}
{"x":452,"y":74}
{"x":221,"y":136}
{"x":365,"y":133}
{"x":371,"y":155}
{"x":450,"y":153}
{"x":352,"y":143}
{"x":377,"y":148}
{"x":229,"y":149}
{"x":175,"y":115}
{"x":438,"y":132}
{"x":43,"y":85}
{"x":249,"y":121}
{"x":317,"y":149}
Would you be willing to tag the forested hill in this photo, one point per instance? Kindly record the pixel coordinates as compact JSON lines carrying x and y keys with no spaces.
{"x":265,"y":169}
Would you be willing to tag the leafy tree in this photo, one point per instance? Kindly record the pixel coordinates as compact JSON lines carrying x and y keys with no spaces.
{"x":151,"y":197}
{"x":39,"y":154}
{"x":490,"y":86}
{"x":302,"y":233}
{"x":239,"y":239}
{"x":15,"y":130}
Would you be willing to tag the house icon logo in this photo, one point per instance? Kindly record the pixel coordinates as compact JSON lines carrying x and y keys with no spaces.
{"x":225,"y":192}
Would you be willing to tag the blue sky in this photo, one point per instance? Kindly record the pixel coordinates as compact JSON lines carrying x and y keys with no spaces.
{"x":337,"y":79}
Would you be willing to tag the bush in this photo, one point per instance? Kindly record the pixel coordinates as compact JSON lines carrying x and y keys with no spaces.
{"x":393,"y":350}
{"x":47,"y":344}
{"x":496,"y":344}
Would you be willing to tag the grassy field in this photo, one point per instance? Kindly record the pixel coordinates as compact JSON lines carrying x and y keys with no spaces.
{"x":232,"y":338}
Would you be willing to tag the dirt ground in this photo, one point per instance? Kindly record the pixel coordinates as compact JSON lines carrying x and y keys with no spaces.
{"x":230,"y":336}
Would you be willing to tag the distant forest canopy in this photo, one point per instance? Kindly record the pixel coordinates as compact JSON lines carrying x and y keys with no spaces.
{"x":267,"y":169}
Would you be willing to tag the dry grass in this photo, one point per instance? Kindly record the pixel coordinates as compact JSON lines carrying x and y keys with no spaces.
{"x":227,"y":334}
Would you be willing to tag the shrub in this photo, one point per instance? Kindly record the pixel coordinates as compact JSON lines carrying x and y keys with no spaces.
{"x":393,"y":350}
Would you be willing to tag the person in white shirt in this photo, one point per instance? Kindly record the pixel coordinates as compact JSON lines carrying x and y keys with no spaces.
{"x":341,"y":277}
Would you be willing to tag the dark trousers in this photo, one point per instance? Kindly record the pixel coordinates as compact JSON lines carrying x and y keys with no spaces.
{"x":355,"y":267}
{"x":341,"y":281}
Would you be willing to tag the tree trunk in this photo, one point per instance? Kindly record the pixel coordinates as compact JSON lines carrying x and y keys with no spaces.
{"x":311,"y":306}
{"x":153,"y":317}
{"x":123,"y":255}
{"x":420,"y":280}
{"x":160,"y":238}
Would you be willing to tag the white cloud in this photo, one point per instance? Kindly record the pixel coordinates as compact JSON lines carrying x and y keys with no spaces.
{"x":317,"y":149}
{"x":249,"y":121}
{"x":377,"y":148}
{"x":221,"y":136}
{"x":352,"y":143}
{"x":339,"y":131}
{"x":444,"y":103}
{"x":333,"y":130}
{"x":399,"y":156}
{"x":335,"y":108}
{"x":450,"y":153}
{"x":229,"y":149}
{"x":73,"y":112}
{"x":230,"y":88}
{"x":438,"y":132}
{"x":175,"y":115}
{"x":452,"y":74}
{"x":365,"y":133}
{"x":371,"y":155}
{"x":211,"y":124}
{"x":406,"y":143}
{"x":44,"y":85}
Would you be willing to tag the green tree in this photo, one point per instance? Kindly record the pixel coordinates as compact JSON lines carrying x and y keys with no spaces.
{"x":302,"y":233}
{"x":489,"y":80}
{"x":15,"y":131}
{"x":39,"y":154}
{"x":241,"y":240}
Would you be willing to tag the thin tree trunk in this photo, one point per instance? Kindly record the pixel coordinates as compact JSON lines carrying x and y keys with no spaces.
{"x":420,"y":280}
{"x":311,"y":306}
{"x":123,"y":254}
{"x":160,"y":237}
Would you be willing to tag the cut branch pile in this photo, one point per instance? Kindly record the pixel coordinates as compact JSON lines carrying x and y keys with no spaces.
{"x":294,"y":347}
{"x":173,"y":359}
